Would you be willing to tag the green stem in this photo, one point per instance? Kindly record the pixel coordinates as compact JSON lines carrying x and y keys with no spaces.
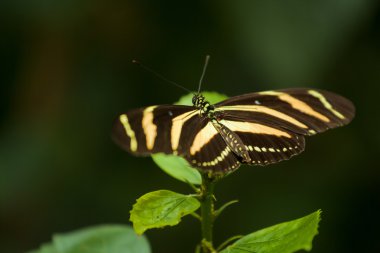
{"x":207,"y":213}
{"x":228,"y":241}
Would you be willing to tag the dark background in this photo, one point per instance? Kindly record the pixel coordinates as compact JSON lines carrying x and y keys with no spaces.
{"x":66,"y":72}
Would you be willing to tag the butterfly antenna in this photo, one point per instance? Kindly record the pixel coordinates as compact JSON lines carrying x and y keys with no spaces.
{"x":159,"y":75}
{"x":203,"y":72}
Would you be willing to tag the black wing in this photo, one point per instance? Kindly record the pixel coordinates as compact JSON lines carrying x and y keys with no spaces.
{"x":209,"y":151}
{"x":156,"y":129}
{"x":272,"y":124}
{"x":173,"y":129}
{"x":223,"y":145}
{"x":301,"y":110}
{"x":264,"y":144}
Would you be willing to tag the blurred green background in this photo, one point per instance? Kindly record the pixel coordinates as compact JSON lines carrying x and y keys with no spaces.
{"x":66,"y":73}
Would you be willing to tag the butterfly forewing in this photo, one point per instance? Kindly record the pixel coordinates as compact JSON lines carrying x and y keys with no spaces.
{"x":303,"y":111}
{"x":153,"y":129}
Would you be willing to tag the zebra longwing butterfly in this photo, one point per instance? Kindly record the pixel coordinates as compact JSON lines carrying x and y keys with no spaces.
{"x":256,"y":128}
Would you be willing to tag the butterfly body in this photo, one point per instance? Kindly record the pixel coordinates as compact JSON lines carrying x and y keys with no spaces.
{"x":256,"y":128}
{"x":233,"y":141}
{"x":205,"y":108}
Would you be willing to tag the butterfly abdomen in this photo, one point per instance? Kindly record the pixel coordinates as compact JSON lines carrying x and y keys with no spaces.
{"x":233,"y":142}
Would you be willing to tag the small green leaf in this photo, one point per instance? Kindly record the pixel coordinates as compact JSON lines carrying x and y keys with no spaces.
{"x":286,"y":237}
{"x":99,"y":239}
{"x":177,"y":166}
{"x":211,"y":96}
{"x":161,"y":208}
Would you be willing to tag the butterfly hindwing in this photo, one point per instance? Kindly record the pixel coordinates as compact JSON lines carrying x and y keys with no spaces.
{"x":265,"y":144}
{"x":209,"y":151}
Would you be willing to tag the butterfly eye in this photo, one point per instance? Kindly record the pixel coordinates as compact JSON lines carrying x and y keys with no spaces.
{"x":195,"y":98}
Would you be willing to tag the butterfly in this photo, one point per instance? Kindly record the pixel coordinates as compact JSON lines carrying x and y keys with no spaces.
{"x":258,"y":128}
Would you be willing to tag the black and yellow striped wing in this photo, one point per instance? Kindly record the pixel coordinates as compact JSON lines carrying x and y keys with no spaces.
{"x":272,"y":124}
{"x":157,"y":129}
{"x":300,"y":110}
{"x":258,"y":128}
{"x":209,"y":151}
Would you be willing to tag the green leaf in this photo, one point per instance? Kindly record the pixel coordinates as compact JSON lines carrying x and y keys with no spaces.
{"x":176,"y":166}
{"x":211,"y":96}
{"x":286,"y":237}
{"x":161,"y":208}
{"x":45,"y":248}
{"x":97,"y":239}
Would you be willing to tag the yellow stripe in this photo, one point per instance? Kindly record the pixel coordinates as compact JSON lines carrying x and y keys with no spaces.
{"x":263,"y":109}
{"x":255,"y":128}
{"x":129,"y":131}
{"x":203,"y":137}
{"x":177,"y":124}
{"x":218,"y":159}
{"x":150,"y":129}
{"x":325,"y":103}
{"x":312,"y":131}
{"x":296,"y":104}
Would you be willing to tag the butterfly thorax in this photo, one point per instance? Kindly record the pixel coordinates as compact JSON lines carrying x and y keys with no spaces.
{"x":205,"y":107}
{"x":233,"y":141}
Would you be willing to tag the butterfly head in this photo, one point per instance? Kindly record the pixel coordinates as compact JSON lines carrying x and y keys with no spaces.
{"x":198,"y":100}
{"x":206,"y":109}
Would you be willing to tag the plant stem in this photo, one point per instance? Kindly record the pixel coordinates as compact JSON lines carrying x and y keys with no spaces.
{"x":228,"y":241}
{"x":207,"y":212}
